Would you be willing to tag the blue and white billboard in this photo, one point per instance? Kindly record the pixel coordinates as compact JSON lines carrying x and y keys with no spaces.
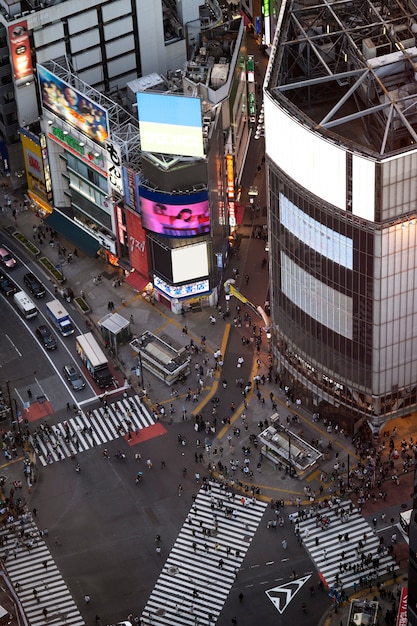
{"x":170,"y":124}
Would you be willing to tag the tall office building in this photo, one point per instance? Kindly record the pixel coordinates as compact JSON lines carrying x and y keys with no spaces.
{"x":108,"y":43}
{"x":341,"y":135}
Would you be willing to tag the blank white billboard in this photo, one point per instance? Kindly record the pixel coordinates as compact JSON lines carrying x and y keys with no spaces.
{"x":189,"y":262}
{"x":305,"y":156}
{"x":363,"y":188}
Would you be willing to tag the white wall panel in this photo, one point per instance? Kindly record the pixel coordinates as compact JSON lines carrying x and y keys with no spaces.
{"x":115,"y":9}
{"x":305,"y":156}
{"x":83,"y":21}
{"x":118,"y":28}
{"x":92,"y":76}
{"x":86,"y":59}
{"x":87,"y":40}
{"x":124,"y":64}
{"x":120,"y":46}
{"x":324,"y":304}
{"x":48,"y":34}
{"x":363,"y":188}
{"x":53,"y":51}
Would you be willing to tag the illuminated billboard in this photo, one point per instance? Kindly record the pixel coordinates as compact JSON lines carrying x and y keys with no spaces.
{"x":170,"y":124}
{"x":73,"y":106}
{"x":20,"y":51}
{"x":185,"y":215}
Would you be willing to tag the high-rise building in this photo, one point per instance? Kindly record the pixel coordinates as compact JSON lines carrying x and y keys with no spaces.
{"x":341,"y":136}
{"x":108,"y":43}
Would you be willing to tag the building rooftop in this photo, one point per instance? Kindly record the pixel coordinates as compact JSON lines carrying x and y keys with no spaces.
{"x":348,"y":69}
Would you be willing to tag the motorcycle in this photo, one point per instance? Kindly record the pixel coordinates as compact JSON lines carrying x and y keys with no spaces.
{"x":120,"y":455}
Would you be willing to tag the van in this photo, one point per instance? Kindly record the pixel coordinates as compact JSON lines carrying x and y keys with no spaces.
{"x":25,"y":305}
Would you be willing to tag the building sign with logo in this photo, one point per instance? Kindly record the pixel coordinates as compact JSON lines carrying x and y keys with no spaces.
{"x":198,"y":288}
{"x":91,"y":155}
{"x":114,"y":167}
{"x":36,"y":165}
{"x":20,"y":52}
{"x":131,"y":181}
{"x":136,"y":238}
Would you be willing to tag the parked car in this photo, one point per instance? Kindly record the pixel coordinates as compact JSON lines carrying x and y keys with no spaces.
{"x":46,"y":337}
{"x":34,"y":285}
{"x":7,"y":286}
{"x":74,"y":377}
{"x":6,"y":257}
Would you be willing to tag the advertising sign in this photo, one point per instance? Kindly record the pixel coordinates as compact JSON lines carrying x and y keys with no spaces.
{"x":34,"y":165}
{"x":402,"y":619}
{"x":231,"y":189}
{"x":131,"y":187}
{"x":185,"y":215}
{"x":20,"y":51}
{"x":170,"y":124}
{"x":181,"y":291}
{"x":73,"y":106}
{"x":137,"y":243}
{"x":114,"y":166}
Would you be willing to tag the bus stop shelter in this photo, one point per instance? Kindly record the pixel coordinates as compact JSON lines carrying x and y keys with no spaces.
{"x":115,"y":330}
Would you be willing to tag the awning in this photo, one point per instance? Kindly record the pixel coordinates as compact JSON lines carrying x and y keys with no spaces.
{"x":137,"y":281}
{"x":66,"y":227}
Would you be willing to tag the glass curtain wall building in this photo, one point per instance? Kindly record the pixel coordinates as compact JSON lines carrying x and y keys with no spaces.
{"x":341,"y":144}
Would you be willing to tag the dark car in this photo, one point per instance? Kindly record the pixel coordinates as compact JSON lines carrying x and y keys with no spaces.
{"x":7,"y":286}
{"x":34,"y":285}
{"x":74,"y":377}
{"x":46,"y":337}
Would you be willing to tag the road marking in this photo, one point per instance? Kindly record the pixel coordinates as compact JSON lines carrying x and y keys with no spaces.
{"x":14,"y":346}
{"x":282,"y":595}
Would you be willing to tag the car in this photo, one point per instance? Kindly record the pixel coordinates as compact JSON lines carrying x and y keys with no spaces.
{"x":7,"y":286}
{"x":74,"y":377}
{"x":34,"y":285}
{"x":46,"y":337}
{"x":6,"y":257}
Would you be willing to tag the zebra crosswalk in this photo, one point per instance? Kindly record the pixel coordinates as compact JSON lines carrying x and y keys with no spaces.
{"x":42,"y":592}
{"x":85,"y":430}
{"x":343,"y":545}
{"x":202,"y":565}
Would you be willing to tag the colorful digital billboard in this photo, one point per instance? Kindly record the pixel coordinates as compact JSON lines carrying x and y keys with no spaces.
{"x":73,"y":106}
{"x":20,"y":51}
{"x":185,"y":215}
{"x":170,"y":124}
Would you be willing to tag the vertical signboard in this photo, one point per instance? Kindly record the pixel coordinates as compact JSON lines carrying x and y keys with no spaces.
{"x":137,"y":243}
{"x":20,"y":51}
{"x":231,"y":189}
{"x":114,"y":166}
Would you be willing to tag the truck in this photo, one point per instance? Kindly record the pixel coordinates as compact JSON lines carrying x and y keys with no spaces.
{"x":60,"y":317}
{"x":94,"y":359}
{"x":25,"y":305}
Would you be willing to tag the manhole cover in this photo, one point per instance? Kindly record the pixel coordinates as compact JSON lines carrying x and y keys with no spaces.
{"x":160,"y":612}
{"x":173,"y":571}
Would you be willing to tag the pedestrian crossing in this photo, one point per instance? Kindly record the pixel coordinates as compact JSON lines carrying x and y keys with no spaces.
{"x":85,"y":430}
{"x":202,"y":565}
{"x":343,"y":545}
{"x":27,"y":561}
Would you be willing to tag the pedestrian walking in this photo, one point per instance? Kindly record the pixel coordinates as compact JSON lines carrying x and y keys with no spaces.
{"x":163,"y":464}
{"x":179,"y":490}
{"x":247,"y":279}
{"x":87,"y":599}
{"x":30,"y":394}
{"x":34,"y":512}
{"x":221,"y":563}
{"x":284,"y":544}
{"x":149,"y":463}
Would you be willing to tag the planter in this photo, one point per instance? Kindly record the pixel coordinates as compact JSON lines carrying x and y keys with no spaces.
{"x":52,"y":270}
{"x":27,"y":244}
{"x":82,"y":305}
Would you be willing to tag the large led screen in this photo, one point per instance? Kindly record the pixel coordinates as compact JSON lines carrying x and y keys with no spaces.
{"x":170,"y":124}
{"x":189,"y":263}
{"x":20,"y":51}
{"x":175,"y":215}
{"x":73,"y":106}
{"x":319,"y":237}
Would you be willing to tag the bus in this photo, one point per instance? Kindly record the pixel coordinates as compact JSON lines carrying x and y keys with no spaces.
{"x":94,"y":359}
{"x":405,"y":518}
{"x":161,"y":358}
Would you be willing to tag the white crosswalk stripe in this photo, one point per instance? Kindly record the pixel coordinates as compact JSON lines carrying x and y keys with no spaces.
{"x":196,"y":579}
{"x":346,"y":547}
{"x":42,"y":592}
{"x":90,"y":429}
